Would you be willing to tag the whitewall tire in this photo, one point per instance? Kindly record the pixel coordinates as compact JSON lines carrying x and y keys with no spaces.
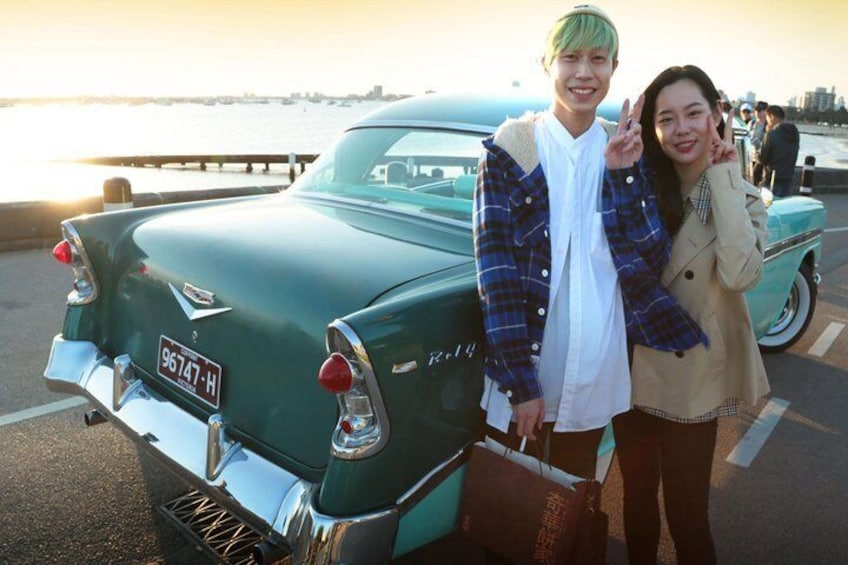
{"x":796,"y":315}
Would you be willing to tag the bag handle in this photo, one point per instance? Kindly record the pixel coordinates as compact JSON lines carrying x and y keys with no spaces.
{"x":538,"y":453}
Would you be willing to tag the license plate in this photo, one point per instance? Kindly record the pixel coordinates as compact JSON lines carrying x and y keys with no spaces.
{"x":190,"y":370}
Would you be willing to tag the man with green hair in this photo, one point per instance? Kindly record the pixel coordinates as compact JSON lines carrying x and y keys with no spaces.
{"x":556,"y":355}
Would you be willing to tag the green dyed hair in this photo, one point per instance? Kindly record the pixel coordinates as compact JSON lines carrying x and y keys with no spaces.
{"x":576,"y":31}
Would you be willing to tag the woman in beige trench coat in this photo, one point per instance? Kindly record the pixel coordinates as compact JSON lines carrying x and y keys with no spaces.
{"x":717,"y":223}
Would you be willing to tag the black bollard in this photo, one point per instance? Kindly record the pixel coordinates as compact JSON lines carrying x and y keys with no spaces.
{"x":807,"y":174}
{"x":117,"y":194}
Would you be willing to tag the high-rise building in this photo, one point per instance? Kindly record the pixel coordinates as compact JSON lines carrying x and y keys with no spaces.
{"x":819,"y":100}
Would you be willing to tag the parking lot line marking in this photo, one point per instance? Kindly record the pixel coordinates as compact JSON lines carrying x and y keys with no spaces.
{"x":42,"y":410}
{"x":832,"y":230}
{"x":826,"y":339}
{"x":754,"y":439}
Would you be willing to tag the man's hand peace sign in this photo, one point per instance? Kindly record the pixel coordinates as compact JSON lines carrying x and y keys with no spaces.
{"x":625,"y":146}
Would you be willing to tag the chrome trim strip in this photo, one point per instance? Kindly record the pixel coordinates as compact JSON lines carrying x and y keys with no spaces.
{"x":433,"y":479}
{"x":374,"y":391}
{"x":775,"y":250}
{"x":405,"y":367}
{"x":273,"y":500}
{"x":426,"y":124}
{"x":383,"y":207}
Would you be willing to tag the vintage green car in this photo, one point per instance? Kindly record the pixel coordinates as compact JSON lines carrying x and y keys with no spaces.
{"x":311,"y":361}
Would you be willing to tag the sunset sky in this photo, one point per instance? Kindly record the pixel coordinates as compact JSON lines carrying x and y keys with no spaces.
{"x":776,"y":48}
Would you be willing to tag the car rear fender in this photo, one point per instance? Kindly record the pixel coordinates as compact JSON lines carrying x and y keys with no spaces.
{"x":425,"y":350}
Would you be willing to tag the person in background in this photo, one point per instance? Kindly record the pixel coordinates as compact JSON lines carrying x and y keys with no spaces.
{"x":757,"y":131}
{"x":556,"y":357}
{"x":747,"y":114}
{"x":779,"y":152}
{"x":686,"y":233}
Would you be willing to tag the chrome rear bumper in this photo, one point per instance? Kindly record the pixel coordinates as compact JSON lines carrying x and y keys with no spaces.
{"x":276,"y":502}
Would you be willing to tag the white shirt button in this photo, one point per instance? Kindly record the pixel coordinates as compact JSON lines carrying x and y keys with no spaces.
{"x":535,"y":347}
{"x":541,"y":311}
{"x":545,"y":272}
{"x":528,"y":200}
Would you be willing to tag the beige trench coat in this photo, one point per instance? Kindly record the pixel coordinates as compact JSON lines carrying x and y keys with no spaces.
{"x":711,"y":266}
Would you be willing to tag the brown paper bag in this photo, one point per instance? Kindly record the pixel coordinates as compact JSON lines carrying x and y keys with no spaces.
{"x":529,"y":512}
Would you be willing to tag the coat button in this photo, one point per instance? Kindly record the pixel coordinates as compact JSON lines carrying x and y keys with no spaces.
{"x":528,"y":200}
{"x":678,"y":353}
{"x":545,"y":273}
{"x":541,"y":311}
{"x":535,"y":347}
{"x":629,"y":179}
{"x":689,"y":275}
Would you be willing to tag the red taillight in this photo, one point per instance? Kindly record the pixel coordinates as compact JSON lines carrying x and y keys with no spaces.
{"x":63,"y":253}
{"x":335,"y":374}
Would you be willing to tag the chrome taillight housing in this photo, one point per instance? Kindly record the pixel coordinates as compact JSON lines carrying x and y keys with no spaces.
{"x":363,"y":425}
{"x":71,"y":252}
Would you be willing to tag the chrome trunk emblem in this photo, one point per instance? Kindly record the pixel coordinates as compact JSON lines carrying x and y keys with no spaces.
{"x":198,"y":295}
{"x":190,"y":311}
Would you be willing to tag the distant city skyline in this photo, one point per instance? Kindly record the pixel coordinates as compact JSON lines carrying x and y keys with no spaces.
{"x":778,"y":49}
{"x":817,"y":99}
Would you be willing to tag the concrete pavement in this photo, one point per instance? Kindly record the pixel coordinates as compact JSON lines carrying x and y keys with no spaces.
{"x":70,"y":494}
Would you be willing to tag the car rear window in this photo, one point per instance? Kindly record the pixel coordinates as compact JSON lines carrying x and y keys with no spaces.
{"x":430,"y":171}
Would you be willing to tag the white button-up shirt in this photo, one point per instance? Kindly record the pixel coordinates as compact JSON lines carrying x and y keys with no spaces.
{"x":582,"y":366}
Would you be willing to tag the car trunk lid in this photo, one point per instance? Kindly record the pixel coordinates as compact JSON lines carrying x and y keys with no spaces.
{"x":276,"y":271}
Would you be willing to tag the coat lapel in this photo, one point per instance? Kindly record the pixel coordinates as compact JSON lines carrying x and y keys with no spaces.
{"x":692,"y":238}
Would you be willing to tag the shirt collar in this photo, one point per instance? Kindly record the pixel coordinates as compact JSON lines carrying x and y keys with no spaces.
{"x":561,"y":135}
{"x":699,"y":197}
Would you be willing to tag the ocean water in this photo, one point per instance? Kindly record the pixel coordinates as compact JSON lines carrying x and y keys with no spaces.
{"x":36,"y":142}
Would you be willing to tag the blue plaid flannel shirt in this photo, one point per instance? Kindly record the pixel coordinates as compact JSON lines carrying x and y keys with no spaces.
{"x":512,"y":249}
{"x":641,"y":247}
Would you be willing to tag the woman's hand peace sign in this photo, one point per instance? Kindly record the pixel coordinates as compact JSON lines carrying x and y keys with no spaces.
{"x":722,"y":150}
{"x":625,"y":146}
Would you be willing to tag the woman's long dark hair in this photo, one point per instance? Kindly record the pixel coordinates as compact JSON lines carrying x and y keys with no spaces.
{"x":666,"y":180}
